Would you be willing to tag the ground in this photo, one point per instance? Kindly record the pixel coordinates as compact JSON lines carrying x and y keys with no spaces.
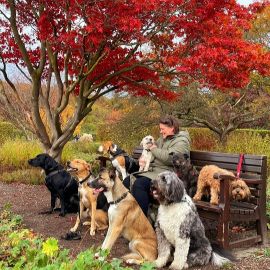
{"x":29,"y":200}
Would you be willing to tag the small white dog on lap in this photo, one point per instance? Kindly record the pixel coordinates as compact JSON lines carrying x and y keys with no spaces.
{"x":146,"y":156}
{"x":179,"y":227}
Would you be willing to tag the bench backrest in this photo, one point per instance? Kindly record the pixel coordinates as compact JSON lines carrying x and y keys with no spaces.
{"x":253,"y":171}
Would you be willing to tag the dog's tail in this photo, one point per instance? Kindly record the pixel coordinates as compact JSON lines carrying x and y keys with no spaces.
{"x":221,"y":256}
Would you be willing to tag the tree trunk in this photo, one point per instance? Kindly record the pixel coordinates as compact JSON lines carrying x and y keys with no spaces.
{"x":223,"y":138}
{"x":56,"y":153}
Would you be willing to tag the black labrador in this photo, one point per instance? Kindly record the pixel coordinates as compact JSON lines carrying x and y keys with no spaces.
{"x":59,"y":182}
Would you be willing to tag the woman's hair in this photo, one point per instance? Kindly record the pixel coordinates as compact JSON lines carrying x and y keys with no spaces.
{"x":170,"y":121}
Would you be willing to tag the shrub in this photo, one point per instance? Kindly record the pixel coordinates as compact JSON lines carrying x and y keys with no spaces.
{"x":87,"y":151}
{"x":8,"y":131}
{"x":22,"y":249}
{"x":247,"y":143}
{"x":17,"y":152}
{"x":202,"y":139}
{"x":27,"y":176}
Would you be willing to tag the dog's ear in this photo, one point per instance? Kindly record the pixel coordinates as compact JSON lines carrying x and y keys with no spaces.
{"x":49,"y":163}
{"x":175,"y":189}
{"x":88,"y":167}
{"x":141,"y":143}
{"x":247,"y":190}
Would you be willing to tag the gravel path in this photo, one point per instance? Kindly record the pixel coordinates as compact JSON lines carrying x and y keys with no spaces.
{"x":29,"y":200}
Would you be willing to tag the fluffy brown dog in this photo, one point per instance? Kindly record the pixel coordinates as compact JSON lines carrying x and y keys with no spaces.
{"x":88,"y":199}
{"x":126,"y":219}
{"x":207,"y":183}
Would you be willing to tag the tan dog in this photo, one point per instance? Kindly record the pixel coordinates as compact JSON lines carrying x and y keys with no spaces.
{"x":88,"y":199}
{"x":126,"y":219}
{"x":117,"y":156}
{"x":206,"y":182}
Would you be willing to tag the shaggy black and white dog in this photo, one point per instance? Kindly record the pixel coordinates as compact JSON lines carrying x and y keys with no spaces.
{"x":179,"y":227}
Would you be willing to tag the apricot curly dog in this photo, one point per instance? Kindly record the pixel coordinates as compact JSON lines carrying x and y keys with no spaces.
{"x":207,"y":183}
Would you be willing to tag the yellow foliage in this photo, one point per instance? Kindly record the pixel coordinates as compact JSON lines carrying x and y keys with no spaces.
{"x":65,"y":116}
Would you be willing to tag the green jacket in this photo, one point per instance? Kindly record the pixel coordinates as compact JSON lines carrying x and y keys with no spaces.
{"x":162,"y":155}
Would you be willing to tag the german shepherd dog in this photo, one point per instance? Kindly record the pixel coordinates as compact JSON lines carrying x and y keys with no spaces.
{"x":126,"y":218}
{"x":89,"y":201}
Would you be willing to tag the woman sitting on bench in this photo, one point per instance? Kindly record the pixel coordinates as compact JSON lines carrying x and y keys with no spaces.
{"x":171,"y":141}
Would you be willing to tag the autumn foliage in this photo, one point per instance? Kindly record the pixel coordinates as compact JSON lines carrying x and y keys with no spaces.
{"x":93,"y":47}
{"x":202,"y":40}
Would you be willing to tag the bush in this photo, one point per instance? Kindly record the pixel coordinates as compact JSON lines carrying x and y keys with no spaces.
{"x":8,"y":131}
{"x":22,"y":249}
{"x":86,"y":151}
{"x":202,"y":139}
{"x":17,"y":152}
{"x":27,"y":176}
{"x":247,"y":143}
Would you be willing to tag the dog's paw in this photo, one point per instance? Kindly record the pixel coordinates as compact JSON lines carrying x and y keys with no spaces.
{"x":176,"y":266}
{"x":159,"y":263}
{"x":196,"y":198}
{"x":92,"y":232}
{"x":62,"y":214}
{"x":185,"y":266}
{"x":133,"y":261}
{"x":87,"y":223}
{"x":73,"y":229}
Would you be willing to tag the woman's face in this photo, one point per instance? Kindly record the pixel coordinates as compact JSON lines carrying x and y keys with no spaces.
{"x":166,"y":131}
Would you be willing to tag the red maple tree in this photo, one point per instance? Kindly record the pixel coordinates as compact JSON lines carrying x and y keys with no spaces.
{"x":93,"y":47}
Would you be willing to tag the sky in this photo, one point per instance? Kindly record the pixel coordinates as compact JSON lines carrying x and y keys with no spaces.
{"x":245,"y":2}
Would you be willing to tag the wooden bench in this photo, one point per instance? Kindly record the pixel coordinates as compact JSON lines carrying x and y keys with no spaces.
{"x":254,"y":172}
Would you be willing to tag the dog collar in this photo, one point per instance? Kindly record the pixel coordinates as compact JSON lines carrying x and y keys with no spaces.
{"x":54,"y":172}
{"x":86,"y":178}
{"x":119,"y":199}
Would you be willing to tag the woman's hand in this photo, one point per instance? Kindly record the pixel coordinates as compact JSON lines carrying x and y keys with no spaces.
{"x":153,"y":146}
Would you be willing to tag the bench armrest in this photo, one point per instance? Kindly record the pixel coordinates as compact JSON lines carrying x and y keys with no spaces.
{"x":224,"y":200}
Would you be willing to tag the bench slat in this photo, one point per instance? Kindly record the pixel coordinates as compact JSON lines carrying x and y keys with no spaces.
{"x":227,"y":157}
{"x":228,"y":166}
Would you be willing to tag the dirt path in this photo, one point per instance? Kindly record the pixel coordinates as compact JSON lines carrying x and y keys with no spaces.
{"x":29,"y":200}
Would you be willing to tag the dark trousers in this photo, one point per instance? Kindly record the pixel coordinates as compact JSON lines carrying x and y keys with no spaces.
{"x":140,"y":191}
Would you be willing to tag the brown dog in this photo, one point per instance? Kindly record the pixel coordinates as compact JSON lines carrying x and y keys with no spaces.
{"x":126,"y":219}
{"x":206,"y":182}
{"x":88,"y":199}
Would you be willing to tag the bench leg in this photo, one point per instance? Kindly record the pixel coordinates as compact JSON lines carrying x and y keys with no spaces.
{"x":262,"y":230}
{"x":223,"y":233}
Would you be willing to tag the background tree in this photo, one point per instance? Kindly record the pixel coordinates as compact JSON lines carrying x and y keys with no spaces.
{"x":222,"y":112}
{"x":88,"y":49}
{"x":136,"y":117}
